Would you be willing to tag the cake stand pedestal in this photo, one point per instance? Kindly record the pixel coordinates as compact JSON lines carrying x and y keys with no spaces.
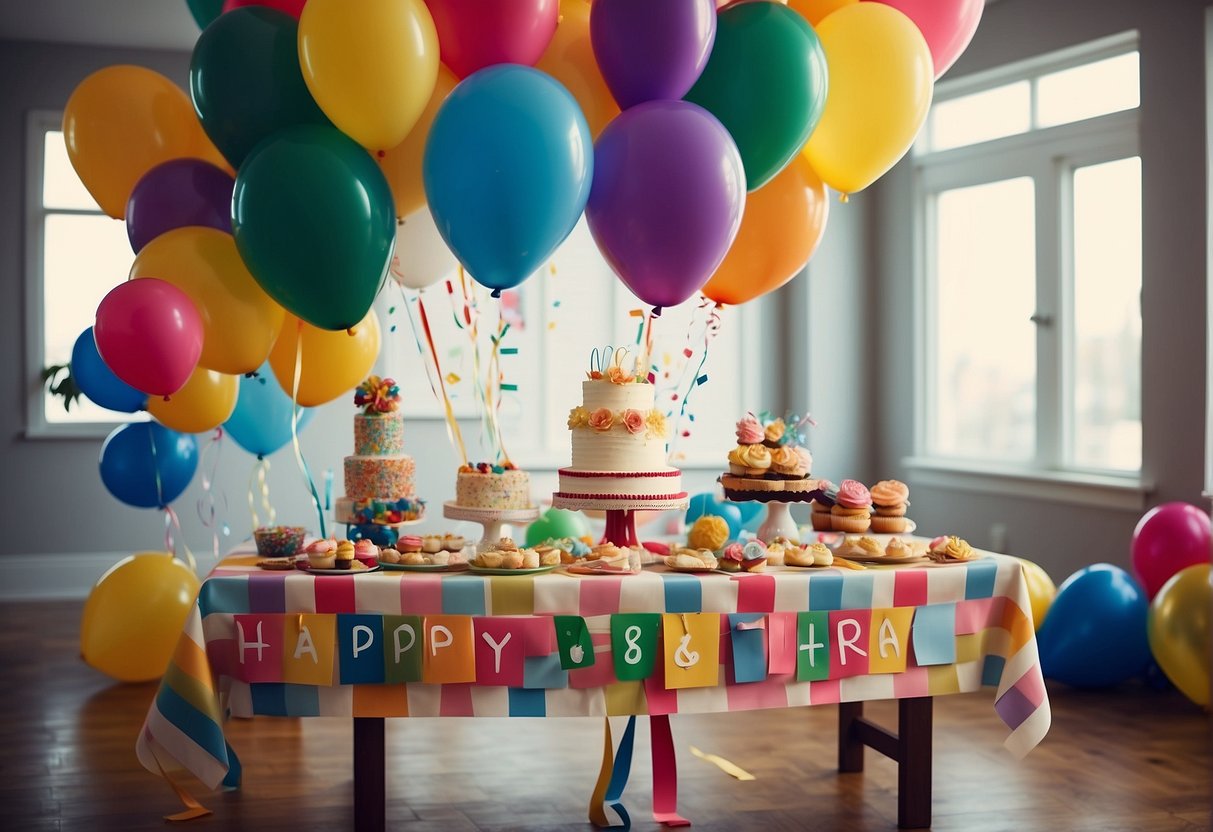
{"x":493,"y":520}
{"x":778,"y":522}
{"x":620,"y":514}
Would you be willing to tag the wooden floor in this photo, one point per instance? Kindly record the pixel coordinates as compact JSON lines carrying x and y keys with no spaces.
{"x":1128,"y":759}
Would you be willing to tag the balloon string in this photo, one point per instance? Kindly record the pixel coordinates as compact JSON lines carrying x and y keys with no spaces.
{"x":485,"y":401}
{"x":452,"y":425}
{"x":258,"y":475}
{"x":493,"y":382}
{"x":171,"y":522}
{"x":207,"y":513}
{"x":303,"y":467}
{"x":408,"y":311}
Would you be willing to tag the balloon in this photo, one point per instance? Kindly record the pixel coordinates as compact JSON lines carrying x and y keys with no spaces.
{"x":239,"y":320}
{"x":371,"y":65}
{"x":668,"y":194}
{"x":146,"y":465}
{"x":816,"y":11}
{"x":121,"y":122}
{"x":766,"y":82}
{"x":881,"y":81}
{"x":1168,"y":538}
{"x":261,"y":422}
{"x":1041,"y":590}
{"x":421,"y":257}
{"x":314,"y":221}
{"x":176,"y":194}
{"x":292,"y":7}
{"x":332,"y":363}
{"x":1179,"y":630}
{"x":475,"y":34}
{"x":1095,"y":633}
{"x":783,"y":223}
{"x":569,"y":59}
{"x":946,"y":25}
{"x":402,"y":164}
{"x":708,"y":504}
{"x":507,"y":170}
{"x":246,"y":82}
{"x":752,"y":515}
{"x":651,"y":51}
{"x":134,"y":616}
{"x":557,"y":522}
{"x":150,"y":334}
{"x":98,"y":382}
{"x":204,"y":11}
{"x":203,"y":404}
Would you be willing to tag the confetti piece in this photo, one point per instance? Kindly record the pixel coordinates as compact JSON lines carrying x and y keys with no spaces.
{"x":509,"y":350}
{"x":729,"y":768}
{"x":687,"y":352}
{"x":702,"y":379}
{"x":685,"y":434}
{"x":552,"y":268}
{"x":451,"y":378}
{"x":636,"y":313}
{"x":551,"y":325}
{"x":391,"y":310}
{"x":652,"y":378}
{"x":665,"y":359}
{"x":393,"y":329}
{"x":509,"y":387}
{"x":555,"y":304}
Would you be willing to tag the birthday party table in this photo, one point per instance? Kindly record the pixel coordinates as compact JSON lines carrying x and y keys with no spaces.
{"x":406,"y":644}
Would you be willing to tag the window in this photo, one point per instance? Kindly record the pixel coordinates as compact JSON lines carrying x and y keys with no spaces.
{"x":74,"y":255}
{"x":1028,"y":192}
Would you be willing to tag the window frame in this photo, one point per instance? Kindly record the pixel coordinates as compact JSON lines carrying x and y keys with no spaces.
{"x":1049,"y":156}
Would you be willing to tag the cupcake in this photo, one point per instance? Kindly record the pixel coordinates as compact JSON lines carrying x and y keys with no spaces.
{"x":823,"y":505}
{"x":754,"y":556}
{"x":344,"y":556}
{"x":750,"y":461}
{"x":786,"y":464}
{"x":731,"y":558}
{"x":431,"y":543}
{"x":366,"y":552}
{"x":708,"y":532}
{"x":772,"y":433}
{"x":409,"y":543}
{"x":452,"y":542}
{"x":749,"y":431}
{"x":320,"y":554}
{"x":852,"y":512}
{"x":889,"y":501}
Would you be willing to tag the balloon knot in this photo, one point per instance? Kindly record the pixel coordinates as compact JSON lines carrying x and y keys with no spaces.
{"x":496,"y":293}
{"x":349,"y":331}
{"x":261,"y":457}
{"x":656,"y":311}
{"x":380,"y":153}
{"x":166,"y":398}
{"x":844,"y":198}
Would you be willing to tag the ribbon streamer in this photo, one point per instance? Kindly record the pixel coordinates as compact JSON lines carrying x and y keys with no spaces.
{"x":710,"y":330}
{"x":258,"y":475}
{"x":609,"y":789}
{"x":207,"y":513}
{"x":665,"y":773}
{"x":303,"y":467}
{"x":193,"y":809}
{"x":170,"y":516}
{"x":728,"y":767}
{"x":454,"y":434}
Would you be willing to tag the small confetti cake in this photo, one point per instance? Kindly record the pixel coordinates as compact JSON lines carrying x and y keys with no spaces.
{"x":502,"y":487}
{"x":379,"y":476}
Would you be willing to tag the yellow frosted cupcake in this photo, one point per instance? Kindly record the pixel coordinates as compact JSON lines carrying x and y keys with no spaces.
{"x":889,"y":501}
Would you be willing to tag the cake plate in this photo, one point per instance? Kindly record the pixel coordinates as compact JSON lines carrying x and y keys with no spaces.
{"x":778,"y":522}
{"x":620,"y":513}
{"x":493,"y":520}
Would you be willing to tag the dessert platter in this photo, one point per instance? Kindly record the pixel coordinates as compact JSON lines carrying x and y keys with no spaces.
{"x":428,"y":553}
{"x":504,"y":557}
{"x":770,"y":464}
{"x":493,"y":495}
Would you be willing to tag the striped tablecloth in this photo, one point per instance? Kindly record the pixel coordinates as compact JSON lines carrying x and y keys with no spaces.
{"x":984,"y":603}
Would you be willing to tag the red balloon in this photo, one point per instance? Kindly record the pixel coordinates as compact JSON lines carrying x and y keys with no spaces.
{"x":947,"y":26}
{"x":474,"y":34}
{"x":292,"y":7}
{"x":150,"y":334}
{"x":1169,"y":538}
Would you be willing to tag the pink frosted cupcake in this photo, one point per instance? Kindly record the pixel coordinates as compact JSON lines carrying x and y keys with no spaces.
{"x":322,"y":554}
{"x":852,"y":512}
{"x":366,"y":552}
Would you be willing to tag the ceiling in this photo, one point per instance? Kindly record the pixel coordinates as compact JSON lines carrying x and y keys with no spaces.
{"x":150,"y":24}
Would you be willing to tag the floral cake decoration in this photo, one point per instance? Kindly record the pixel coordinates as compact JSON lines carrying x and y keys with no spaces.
{"x":608,"y":364}
{"x":377,"y":395}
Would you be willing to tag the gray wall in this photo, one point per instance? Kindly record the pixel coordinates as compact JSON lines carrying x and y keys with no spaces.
{"x":1064,"y":537}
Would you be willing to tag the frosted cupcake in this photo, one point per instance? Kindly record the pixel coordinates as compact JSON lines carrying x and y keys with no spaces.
{"x":754,"y":556}
{"x":852,"y":512}
{"x":321,"y":554}
{"x":823,"y":506}
{"x":772,"y":433}
{"x":731,"y":558}
{"x":750,"y":461}
{"x":889,"y":501}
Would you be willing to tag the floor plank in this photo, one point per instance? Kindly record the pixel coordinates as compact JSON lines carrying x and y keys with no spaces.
{"x":1132,"y":758}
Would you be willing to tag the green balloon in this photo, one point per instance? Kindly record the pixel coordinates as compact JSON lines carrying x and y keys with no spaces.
{"x":557,"y":522}
{"x":204,"y":11}
{"x":315,"y":223}
{"x":245,"y":80}
{"x":766,"y":82}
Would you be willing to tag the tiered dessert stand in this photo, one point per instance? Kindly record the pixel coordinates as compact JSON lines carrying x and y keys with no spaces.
{"x":494,"y":521}
{"x":620,"y":513}
{"x":778,"y":522}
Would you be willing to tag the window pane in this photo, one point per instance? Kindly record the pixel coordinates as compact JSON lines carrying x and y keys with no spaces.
{"x":61,"y":187}
{"x":1090,"y":90}
{"x":1106,"y":392}
{"x":992,"y":114}
{"x":984,"y":394}
{"x":84,"y":256}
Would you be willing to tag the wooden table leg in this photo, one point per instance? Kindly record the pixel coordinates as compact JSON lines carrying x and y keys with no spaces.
{"x":914,"y":722}
{"x":850,"y":745}
{"x":370,"y":795}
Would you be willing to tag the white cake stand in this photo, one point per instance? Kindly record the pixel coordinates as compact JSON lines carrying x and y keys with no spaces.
{"x":495,"y":521}
{"x":778,"y":522}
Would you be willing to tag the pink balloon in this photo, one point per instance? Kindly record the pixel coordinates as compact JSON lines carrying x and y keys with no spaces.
{"x":473,"y":34}
{"x":1169,"y":538}
{"x":150,"y":334}
{"x":947,"y":25}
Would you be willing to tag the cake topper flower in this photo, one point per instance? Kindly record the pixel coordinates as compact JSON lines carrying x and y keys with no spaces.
{"x":609,"y":364}
{"x":377,"y":395}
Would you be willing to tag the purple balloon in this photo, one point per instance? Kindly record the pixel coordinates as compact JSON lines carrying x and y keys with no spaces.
{"x":175,"y":194}
{"x":650,"y":50}
{"x":667,"y":199}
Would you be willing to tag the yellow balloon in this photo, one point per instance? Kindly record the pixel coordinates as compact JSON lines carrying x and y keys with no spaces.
{"x":816,"y":11}
{"x":1041,"y":590}
{"x":134,"y":616}
{"x":371,"y":65}
{"x":239,"y":320}
{"x":204,"y":403}
{"x":1179,"y":630}
{"x":402,"y":164}
{"x":881,"y":81}
{"x":569,"y":59}
{"x":330,"y":363}
{"x":121,"y":122}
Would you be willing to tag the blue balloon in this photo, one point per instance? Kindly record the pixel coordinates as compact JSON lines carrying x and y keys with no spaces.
{"x":507,"y":169}
{"x":146,"y":465}
{"x":261,"y":422}
{"x":706,"y":503}
{"x":1095,"y":633}
{"x":752,"y":514}
{"x":97,"y":381}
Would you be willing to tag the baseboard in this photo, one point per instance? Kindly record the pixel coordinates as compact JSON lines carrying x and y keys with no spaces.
{"x":60,"y":575}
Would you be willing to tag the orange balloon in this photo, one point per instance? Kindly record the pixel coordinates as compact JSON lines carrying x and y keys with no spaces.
{"x":204,"y":403}
{"x":402,"y":164}
{"x":331,"y":362}
{"x":569,"y":59}
{"x":121,"y":122}
{"x":782,"y":225}
{"x":815,"y":11}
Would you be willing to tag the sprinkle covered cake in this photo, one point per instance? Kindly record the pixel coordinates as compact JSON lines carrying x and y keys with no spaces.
{"x":500,"y":487}
{"x":379,"y":475}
